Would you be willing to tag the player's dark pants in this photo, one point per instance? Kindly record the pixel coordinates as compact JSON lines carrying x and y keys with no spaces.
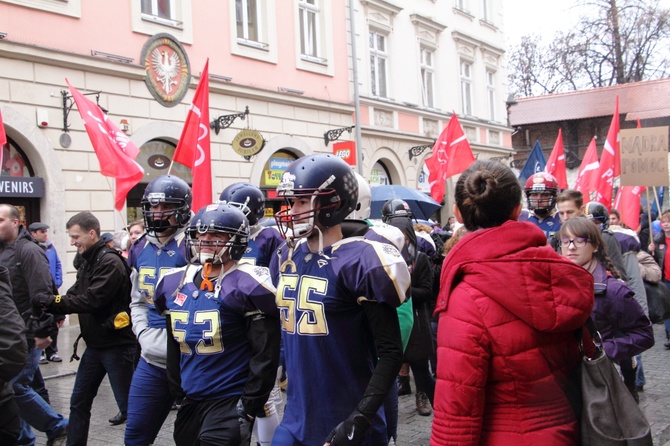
{"x":208,"y":423}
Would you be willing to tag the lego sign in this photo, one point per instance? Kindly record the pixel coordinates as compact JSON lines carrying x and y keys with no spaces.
{"x":346,"y":150}
{"x":644,"y":156}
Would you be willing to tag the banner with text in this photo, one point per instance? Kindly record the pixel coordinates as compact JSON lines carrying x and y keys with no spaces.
{"x":644,"y":156}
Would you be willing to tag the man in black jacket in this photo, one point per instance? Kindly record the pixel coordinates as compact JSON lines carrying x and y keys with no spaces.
{"x":101,"y":297}
{"x":13,"y":355}
{"x":31,"y":289}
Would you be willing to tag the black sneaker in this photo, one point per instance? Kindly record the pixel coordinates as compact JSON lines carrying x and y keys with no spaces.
{"x":117,"y":419}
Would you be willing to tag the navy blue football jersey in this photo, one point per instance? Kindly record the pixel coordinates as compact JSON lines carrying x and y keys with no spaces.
{"x":150,"y":262}
{"x":263,"y":242}
{"x":329,"y":348}
{"x":549,"y":225}
{"x":211,"y":329}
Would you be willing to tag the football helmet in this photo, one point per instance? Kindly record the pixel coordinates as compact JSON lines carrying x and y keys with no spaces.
{"x":219,"y":218}
{"x":362,"y":211}
{"x":598,"y":213}
{"x":396,"y":207}
{"x":330,"y":185}
{"x":541,"y":182}
{"x":166,"y":189}
{"x":248,"y":198}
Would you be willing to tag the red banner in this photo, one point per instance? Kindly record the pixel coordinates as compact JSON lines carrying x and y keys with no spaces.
{"x":451,"y":155}
{"x":193,"y":149}
{"x":116,"y":153}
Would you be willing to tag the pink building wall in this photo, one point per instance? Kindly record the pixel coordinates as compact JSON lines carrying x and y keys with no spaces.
{"x":106,"y":26}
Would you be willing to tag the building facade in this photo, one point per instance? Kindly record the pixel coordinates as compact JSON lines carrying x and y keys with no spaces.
{"x":289,"y":63}
{"x":419,"y":62}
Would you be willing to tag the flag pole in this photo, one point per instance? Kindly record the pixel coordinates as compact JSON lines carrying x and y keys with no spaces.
{"x":111,"y":189}
{"x":646,"y":190}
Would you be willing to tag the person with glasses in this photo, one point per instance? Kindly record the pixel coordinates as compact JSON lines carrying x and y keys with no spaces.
{"x":507,"y":307}
{"x":625,"y":328}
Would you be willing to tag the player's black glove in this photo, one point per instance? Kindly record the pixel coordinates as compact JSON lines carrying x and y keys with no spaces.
{"x":246,"y":424}
{"x":350,"y":432}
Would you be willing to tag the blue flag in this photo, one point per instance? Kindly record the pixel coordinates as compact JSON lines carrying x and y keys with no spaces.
{"x":534,"y":164}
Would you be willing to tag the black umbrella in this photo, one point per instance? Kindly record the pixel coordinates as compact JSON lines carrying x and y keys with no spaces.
{"x":422,"y":205}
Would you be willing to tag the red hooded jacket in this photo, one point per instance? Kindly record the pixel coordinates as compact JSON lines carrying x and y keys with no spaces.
{"x":508,"y":307}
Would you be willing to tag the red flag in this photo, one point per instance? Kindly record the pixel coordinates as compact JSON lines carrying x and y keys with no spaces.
{"x":627,"y":202}
{"x":451,"y":155}
{"x":587,"y":178}
{"x":3,"y":135}
{"x":193,"y":149}
{"x":556,"y":163}
{"x":116,"y":153}
{"x":610,"y":161}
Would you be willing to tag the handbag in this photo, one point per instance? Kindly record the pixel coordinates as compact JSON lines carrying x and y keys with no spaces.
{"x":658,"y":301}
{"x":610,"y":416}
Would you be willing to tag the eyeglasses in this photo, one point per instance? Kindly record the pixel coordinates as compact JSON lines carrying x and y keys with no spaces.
{"x":579,"y":242}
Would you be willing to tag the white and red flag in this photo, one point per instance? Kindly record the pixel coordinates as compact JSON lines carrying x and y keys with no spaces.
{"x":116,"y":153}
{"x":587,"y":177}
{"x":193,"y":149}
{"x":610,"y":161}
{"x":556,"y":163}
{"x":451,"y":155}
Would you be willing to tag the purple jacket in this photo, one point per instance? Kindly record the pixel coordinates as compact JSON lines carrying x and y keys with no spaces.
{"x":625,"y":329}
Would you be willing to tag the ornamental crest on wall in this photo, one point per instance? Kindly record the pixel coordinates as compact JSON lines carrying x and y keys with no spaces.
{"x":168,"y":71}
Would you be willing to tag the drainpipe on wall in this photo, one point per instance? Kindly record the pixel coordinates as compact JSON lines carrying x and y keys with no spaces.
{"x":357,"y":101}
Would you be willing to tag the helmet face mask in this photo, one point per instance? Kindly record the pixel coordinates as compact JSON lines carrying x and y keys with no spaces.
{"x":541,"y":190}
{"x":217,"y":233}
{"x":320,"y":192}
{"x":175,"y":196}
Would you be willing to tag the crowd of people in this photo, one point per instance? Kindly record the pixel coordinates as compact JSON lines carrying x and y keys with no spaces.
{"x":208,"y":311}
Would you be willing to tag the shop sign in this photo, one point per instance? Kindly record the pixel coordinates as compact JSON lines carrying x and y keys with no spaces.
{"x":32,"y":187}
{"x":248,"y":143}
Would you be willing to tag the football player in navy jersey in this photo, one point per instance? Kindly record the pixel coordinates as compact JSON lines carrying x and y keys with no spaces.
{"x":263,"y":243}
{"x":263,"y":240}
{"x":223,"y":348}
{"x":166,"y":207}
{"x":337,"y":300}
{"x":541,"y":190}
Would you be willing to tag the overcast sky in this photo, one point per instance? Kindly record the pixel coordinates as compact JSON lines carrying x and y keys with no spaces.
{"x":532,"y":17}
{"x":543,"y":17}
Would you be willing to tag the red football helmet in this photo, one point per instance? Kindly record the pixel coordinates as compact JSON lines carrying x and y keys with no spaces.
{"x":546,"y":186}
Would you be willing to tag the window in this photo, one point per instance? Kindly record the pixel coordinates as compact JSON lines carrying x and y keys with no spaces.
{"x":159,"y":8}
{"x":163,"y":11}
{"x":461,"y":4}
{"x":486,"y":10}
{"x":466,"y":87}
{"x":491,"y":91}
{"x":309,"y":28}
{"x":378,"y":57}
{"x":427,"y":77}
{"x":247,"y":16}
{"x":255,"y":33}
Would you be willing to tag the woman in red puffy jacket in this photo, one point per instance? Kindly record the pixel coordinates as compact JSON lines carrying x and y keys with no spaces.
{"x":507,"y":308}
